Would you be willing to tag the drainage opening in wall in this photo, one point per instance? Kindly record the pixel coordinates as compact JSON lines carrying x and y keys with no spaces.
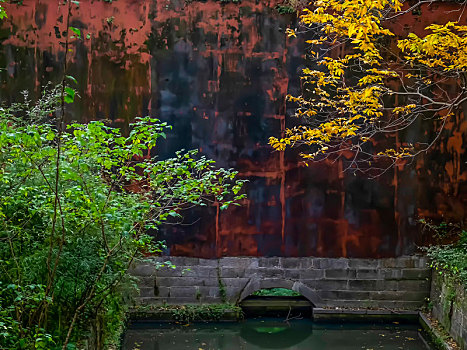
{"x":276,"y":302}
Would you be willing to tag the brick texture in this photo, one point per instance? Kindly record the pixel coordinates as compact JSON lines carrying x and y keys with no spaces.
{"x":399,"y":283}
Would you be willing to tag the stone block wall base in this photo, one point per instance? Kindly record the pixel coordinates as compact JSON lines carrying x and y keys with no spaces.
{"x":394,"y":283}
{"x":449,"y":301}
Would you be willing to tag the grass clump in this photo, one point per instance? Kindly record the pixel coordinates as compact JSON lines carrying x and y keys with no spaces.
{"x":276,"y":292}
{"x":190,"y":312}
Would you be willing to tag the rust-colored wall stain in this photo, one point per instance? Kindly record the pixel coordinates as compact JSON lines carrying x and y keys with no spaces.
{"x":219,"y":74}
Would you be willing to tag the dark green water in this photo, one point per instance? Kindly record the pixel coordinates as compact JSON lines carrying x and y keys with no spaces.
{"x":276,"y":334}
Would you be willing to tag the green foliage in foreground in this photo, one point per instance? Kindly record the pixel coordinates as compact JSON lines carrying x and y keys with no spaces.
{"x":276,"y":292}
{"x":451,"y":258}
{"x":70,"y":225}
{"x":2,"y":11}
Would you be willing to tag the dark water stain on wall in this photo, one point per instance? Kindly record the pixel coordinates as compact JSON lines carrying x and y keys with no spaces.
{"x":219,"y":74}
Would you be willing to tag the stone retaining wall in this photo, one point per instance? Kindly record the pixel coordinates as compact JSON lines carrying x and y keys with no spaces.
{"x":449,"y":301}
{"x":396,"y":283}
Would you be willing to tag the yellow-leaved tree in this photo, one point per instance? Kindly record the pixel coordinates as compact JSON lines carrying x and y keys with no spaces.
{"x":363,"y":83}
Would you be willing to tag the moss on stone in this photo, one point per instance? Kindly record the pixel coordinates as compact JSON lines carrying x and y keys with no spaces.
{"x":188,"y":313}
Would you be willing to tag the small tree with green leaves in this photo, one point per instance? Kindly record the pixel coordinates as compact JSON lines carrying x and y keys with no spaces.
{"x":71,"y":226}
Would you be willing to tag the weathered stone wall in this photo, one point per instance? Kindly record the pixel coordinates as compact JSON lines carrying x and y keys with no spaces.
{"x":449,"y":302}
{"x":400,"y":283}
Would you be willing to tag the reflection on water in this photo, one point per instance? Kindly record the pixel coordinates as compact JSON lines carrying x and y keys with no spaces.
{"x":275,"y":334}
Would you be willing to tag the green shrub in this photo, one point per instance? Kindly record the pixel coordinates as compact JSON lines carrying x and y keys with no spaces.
{"x":451,"y":258}
{"x":76,"y":206}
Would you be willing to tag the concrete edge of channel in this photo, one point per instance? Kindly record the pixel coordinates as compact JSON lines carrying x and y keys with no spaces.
{"x":387,"y":315}
{"x":437,"y":337}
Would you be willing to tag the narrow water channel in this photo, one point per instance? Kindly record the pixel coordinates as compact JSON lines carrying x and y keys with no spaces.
{"x":267,"y":333}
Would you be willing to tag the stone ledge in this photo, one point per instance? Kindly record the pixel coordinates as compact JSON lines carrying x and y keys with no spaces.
{"x":363,"y":315}
{"x":186,"y":313}
{"x":364,"y":311}
{"x":434,"y":333}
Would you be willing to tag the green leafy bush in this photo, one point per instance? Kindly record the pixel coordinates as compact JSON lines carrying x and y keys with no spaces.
{"x":451,"y":258}
{"x":76,"y":206}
